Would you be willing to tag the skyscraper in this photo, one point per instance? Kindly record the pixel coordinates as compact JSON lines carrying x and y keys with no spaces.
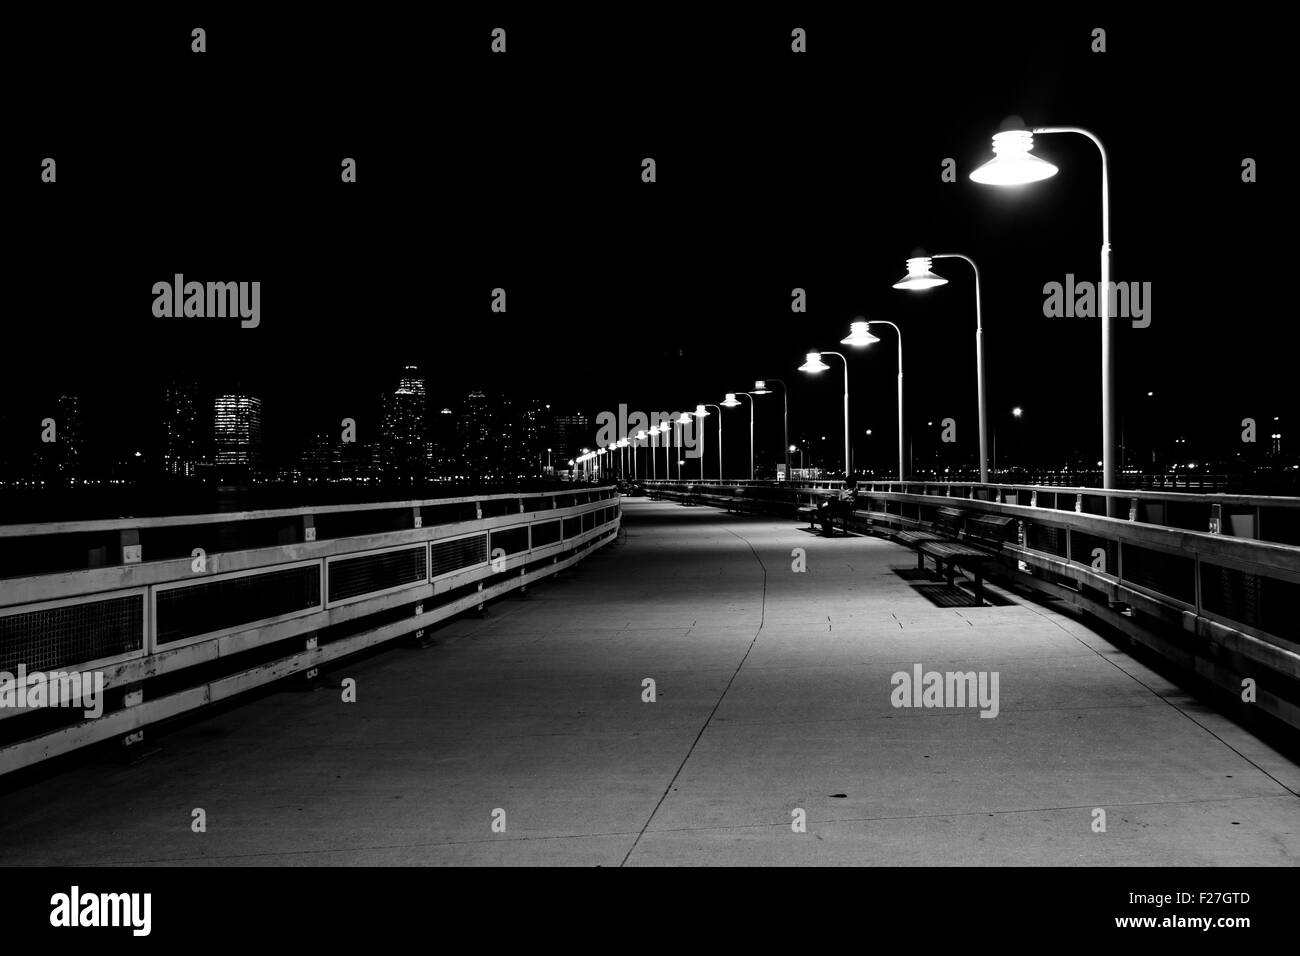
{"x":404,"y":440}
{"x":567,"y":434}
{"x":180,"y":422}
{"x":237,"y":426}
{"x":478,"y":427}
{"x":62,"y":458}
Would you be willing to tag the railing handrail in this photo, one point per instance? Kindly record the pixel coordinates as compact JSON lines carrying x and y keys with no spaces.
{"x":43,"y":528}
{"x":1190,"y":497}
{"x":1210,"y":497}
{"x":1286,"y":556}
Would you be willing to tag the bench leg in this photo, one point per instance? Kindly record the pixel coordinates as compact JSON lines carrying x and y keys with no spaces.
{"x":952,"y":571}
{"x":920,"y":560}
{"x":979,"y":588}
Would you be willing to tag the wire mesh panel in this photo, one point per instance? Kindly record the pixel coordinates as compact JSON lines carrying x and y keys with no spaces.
{"x":212,"y":606}
{"x":546,"y":533}
{"x":1267,"y":604}
{"x":351,"y":577}
{"x":1169,"y":574}
{"x":1230,"y":593}
{"x":1041,"y":537}
{"x":1084,"y":548}
{"x":60,"y":637}
{"x":510,"y":541}
{"x":448,"y":556}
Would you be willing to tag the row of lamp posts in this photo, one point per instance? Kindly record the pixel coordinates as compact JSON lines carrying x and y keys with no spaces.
{"x":1013,"y":164}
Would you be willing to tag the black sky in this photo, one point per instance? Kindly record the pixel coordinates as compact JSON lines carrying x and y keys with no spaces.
{"x":522,"y":171}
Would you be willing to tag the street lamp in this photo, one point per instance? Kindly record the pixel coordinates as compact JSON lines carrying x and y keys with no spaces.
{"x":760,"y":388}
{"x":813,"y":364}
{"x":683,"y":421}
{"x":918,"y":278}
{"x":860,"y":335}
{"x":702,"y":412}
{"x":731,"y":402}
{"x":1013,"y":164}
{"x":640,"y":436}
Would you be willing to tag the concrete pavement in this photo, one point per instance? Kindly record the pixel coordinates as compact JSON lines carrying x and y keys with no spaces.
{"x":773,"y":695}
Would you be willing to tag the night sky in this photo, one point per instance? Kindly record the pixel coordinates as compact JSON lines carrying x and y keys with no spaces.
{"x":522,"y":171}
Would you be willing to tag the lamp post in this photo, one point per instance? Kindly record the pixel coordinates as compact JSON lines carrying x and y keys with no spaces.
{"x":663,"y":429}
{"x":682,"y":422}
{"x":731,"y":402}
{"x":860,"y":335}
{"x":813,"y":364}
{"x":918,"y":278}
{"x":701,"y":412}
{"x":640,"y":437}
{"x":760,"y":388}
{"x":1012,"y":165}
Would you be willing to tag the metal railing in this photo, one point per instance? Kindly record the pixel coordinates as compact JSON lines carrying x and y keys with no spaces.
{"x":178,"y":612}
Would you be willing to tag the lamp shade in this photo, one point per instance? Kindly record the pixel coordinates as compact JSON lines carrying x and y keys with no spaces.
{"x":760,"y":387}
{"x":859,"y":335}
{"x":730,"y":401}
{"x":640,"y":436}
{"x":684,"y":420}
{"x":813,"y":363}
{"x":701,"y":411}
{"x":1013,"y":164}
{"x":919,"y":275}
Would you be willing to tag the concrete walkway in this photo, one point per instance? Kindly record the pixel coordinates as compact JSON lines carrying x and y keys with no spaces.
{"x":773,"y":694}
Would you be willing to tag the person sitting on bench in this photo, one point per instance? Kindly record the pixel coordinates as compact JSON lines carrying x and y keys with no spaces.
{"x":841,"y":505}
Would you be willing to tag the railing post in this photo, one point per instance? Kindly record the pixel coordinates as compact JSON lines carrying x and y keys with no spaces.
{"x":419,"y":633}
{"x":417,"y":520}
{"x":308,"y":528}
{"x":131,"y":550}
{"x":1033,"y":499}
{"x":309,"y":675}
{"x":1078,"y":503}
{"x":1132,"y":509}
{"x":1216,"y":520}
{"x":133,"y":743}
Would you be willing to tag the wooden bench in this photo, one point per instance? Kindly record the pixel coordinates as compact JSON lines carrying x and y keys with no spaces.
{"x":741,"y":502}
{"x":947,"y":525}
{"x":809,"y":511}
{"x":982,"y":540}
{"x":843,"y":510}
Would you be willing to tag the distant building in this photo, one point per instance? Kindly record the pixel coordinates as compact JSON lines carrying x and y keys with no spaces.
{"x":62,"y":460}
{"x":237,"y":430}
{"x":404,"y":433}
{"x":567,"y":435}
{"x":534,"y":422}
{"x":477,"y":427}
{"x":180,"y":425}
